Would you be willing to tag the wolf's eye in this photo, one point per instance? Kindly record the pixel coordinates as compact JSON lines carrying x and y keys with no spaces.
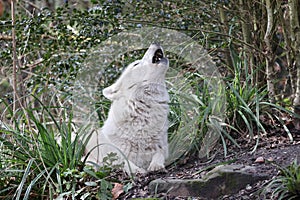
{"x":158,"y":55}
{"x":135,"y":64}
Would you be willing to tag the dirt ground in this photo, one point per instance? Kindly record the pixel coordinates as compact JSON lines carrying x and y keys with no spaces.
{"x":273,"y":149}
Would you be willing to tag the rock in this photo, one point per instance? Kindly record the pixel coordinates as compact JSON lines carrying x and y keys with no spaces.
{"x":222,"y":180}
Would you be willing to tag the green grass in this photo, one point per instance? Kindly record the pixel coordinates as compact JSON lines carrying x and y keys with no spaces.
{"x":247,"y":102}
{"x":41,"y":155}
{"x":196,"y":104}
{"x":286,"y":186}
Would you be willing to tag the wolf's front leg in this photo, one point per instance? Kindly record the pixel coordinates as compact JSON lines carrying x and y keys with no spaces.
{"x":157,"y":162}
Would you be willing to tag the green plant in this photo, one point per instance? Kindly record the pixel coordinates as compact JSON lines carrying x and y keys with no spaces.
{"x":196,"y":112}
{"x":247,"y":102}
{"x":41,"y":155}
{"x":243,"y":98}
{"x":287,"y":184}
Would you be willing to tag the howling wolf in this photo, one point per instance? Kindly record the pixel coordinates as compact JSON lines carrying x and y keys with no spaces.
{"x":137,"y":123}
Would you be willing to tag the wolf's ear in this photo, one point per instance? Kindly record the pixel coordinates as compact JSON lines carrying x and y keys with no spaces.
{"x":112,"y":92}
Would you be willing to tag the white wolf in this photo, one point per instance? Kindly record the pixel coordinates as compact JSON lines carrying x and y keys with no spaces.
{"x":138,"y":117}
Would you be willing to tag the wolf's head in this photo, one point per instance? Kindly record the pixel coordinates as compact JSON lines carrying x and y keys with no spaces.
{"x":151,"y":69}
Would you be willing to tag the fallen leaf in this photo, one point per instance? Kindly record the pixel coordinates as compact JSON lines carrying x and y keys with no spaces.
{"x":270,"y":159}
{"x":117,"y":190}
{"x":260,"y":160}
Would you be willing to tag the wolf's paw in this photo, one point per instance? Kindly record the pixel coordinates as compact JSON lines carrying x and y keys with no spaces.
{"x":156,"y":167}
{"x":139,"y":171}
{"x":133,"y":169}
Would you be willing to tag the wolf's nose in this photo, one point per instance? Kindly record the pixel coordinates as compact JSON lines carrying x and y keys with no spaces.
{"x":156,"y":44}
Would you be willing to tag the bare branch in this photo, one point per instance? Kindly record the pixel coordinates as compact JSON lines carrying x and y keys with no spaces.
{"x":15,"y":94}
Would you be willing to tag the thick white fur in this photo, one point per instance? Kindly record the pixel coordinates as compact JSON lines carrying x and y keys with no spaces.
{"x":138,"y":117}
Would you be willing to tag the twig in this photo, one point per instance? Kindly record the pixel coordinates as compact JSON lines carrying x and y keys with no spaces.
{"x":16,"y":98}
{"x":5,"y":37}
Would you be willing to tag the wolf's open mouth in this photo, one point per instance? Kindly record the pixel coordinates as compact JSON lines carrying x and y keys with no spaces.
{"x":158,"y":55}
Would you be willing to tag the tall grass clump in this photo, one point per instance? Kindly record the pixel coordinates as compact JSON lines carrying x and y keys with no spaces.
{"x":196,"y":102}
{"x":41,"y":156}
{"x":286,"y":186}
{"x":248,"y":103}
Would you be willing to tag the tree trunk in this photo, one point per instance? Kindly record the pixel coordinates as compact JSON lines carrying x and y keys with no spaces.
{"x":225,"y":30}
{"x":246,"y":31}
{"x":267,"y":38}
{"x":294,"y":5}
